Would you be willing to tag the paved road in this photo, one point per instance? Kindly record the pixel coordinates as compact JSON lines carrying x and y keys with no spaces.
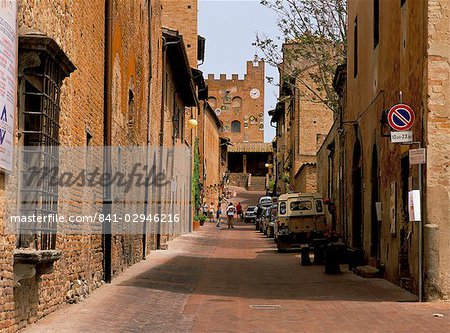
{"x":235,"y":281}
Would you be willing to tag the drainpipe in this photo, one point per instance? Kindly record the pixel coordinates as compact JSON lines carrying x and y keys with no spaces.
{"x":107,"y":139}
{"x":161,"y":139}
{"x":275,"y":160}
{"x":149,"y":101}
{"x":341,"y":177}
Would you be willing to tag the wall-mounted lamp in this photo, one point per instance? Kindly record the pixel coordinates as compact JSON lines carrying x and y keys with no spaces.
{"x":192,"y":123}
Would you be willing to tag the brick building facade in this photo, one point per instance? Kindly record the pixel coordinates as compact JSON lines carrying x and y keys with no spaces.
{"x":209,"y":144}
{"x":83,"y":52}
{"x":239,"y":103}
{"x":400,"y":53}
{"x":302,"y":124}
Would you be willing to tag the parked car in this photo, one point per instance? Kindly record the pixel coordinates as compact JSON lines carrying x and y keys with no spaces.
{"x":250,"y":214}
{"x":265,"y":201}
{"x":270,"y":231}
{"x":300,"y":219}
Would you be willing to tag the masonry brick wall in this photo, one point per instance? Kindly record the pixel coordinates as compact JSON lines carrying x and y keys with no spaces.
{"x":307,"y":121}
{"x":437,"y":237}
{"x":210,"y":153}
{"x":182,"y":15}
{"x":232,"y":98}
{"x":78,"y":28}
{"x":305,"y":181}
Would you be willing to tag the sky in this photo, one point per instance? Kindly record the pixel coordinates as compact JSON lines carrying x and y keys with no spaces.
{"x":230,"y":28}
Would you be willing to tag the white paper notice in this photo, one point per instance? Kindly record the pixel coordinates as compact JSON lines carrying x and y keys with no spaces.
{"x":414,"y":205}
{"x":8,"y":79}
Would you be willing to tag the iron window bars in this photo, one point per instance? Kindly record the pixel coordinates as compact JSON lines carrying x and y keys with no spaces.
{"x":42,"y":68}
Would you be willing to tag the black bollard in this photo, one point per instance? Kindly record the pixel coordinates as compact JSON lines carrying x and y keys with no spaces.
{"x":319,"y":254}
{"x":332,"y":260}
{"x":305,"y":256}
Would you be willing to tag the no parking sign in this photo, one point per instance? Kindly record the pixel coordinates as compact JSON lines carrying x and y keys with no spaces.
{"x":401,"y":117}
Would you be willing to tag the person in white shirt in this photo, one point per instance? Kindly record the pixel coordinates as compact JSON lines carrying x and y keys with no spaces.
{"x":231,"y":210}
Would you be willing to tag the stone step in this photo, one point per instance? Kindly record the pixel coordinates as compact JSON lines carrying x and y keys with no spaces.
{"x":257,"y":184}
{"x":367,"y":272}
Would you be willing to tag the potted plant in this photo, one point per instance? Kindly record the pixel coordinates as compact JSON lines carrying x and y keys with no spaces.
{"x":196,"y":223}
{"x":202,"y":220}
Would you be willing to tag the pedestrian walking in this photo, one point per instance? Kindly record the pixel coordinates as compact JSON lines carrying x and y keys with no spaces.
{"x":219,"y":216}
{"x":231,"y":210}
{"x":239,"y":210}
{"x":211,"y":211}
{"x":205,"y":209}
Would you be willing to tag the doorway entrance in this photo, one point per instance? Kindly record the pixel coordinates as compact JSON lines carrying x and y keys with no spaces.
{"x":375,"y":225}
{"x":357,"y":209}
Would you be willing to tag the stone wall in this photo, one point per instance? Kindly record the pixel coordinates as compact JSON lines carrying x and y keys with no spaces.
{"x":437,"y":235}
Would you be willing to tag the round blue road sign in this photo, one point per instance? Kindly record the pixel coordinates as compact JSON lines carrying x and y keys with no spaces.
{"x":401,"y":117}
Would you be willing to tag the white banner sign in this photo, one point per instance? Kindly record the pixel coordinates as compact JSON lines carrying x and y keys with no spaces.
{"x":399,"y":137}
{"x":8,"y":80}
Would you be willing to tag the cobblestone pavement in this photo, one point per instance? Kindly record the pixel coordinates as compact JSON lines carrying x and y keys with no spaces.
{"x":235,"y":281}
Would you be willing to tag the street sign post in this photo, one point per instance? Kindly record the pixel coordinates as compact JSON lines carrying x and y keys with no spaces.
{"x":401,"y":117}
{"x":417,"y":156}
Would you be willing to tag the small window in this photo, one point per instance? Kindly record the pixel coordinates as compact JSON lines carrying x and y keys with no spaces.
{"x":301,"y":205}
{"x":212,"y":101}
{"x":282,"y":208}
{"x":235,"y":127}
{"x":355,"y":48}
{"x":376,"y":23}
{"x":319,"y":206}
{"x":236,"y":105}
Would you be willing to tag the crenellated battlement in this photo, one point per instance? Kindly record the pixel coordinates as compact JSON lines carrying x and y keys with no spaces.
{"x":254,"y":69}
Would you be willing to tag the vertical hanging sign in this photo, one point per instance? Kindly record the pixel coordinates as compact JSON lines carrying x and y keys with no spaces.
{"x":8,"y":80}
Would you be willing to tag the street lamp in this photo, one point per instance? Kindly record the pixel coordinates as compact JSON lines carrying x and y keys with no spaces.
{"x":192,"y":123}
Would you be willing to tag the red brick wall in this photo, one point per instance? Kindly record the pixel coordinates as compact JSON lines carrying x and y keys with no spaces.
{"x":78,"y":28}
{"x":224,"y":94}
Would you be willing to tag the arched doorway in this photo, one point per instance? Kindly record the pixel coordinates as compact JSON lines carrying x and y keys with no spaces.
{"x":375,"y":195}
{"x":357,"y":210}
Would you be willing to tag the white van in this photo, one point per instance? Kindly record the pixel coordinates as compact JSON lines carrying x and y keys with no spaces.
{"x":301,"y":218}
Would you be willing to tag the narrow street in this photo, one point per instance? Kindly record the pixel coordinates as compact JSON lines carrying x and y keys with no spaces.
{"x":235,"y":281}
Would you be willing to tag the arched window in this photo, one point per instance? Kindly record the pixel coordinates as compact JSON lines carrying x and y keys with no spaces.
{"x":212,"y":101}
{"x":236,"y":127}
{"x":236,"y":104}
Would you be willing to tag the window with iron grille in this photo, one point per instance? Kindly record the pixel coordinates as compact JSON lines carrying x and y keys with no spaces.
{"x":235,"y":126}
{"x":42,"y":68}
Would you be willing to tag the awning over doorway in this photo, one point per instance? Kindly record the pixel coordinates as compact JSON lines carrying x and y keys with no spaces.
{"x":251,"y":147}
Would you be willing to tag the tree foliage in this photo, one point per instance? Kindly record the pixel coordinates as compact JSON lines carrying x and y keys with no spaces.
{"x":314,"y":35}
